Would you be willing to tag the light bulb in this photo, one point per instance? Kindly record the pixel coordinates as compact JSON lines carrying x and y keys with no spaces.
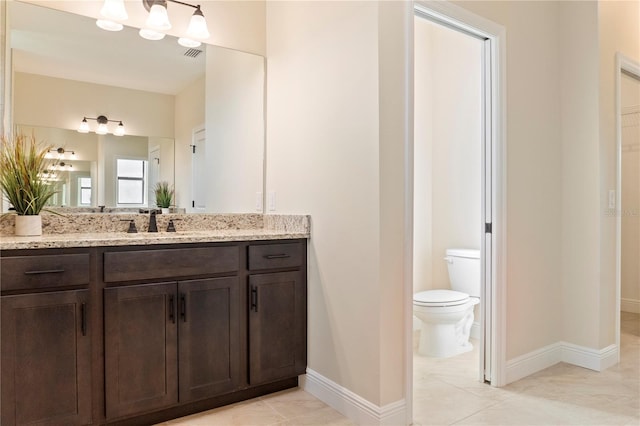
{"x":187,"y":42}
{"x":109,"y":25}
{"x":84,"y":126}
{"x":198,"y":26}
{"x":102,"y":129}
{"x":119,"y":130}
{"x":158,"y":18}
{"x":150,"y":34}
{"x":114,"y":10}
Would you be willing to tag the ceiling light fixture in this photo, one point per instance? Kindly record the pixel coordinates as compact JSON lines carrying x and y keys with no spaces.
{"x":102,"y":126}
{"x":113,"y":12}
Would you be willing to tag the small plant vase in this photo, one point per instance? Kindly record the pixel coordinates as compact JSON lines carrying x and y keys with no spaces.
{"x":28,"y":225}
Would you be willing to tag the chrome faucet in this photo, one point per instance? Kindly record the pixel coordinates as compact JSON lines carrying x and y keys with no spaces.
{"x":153,"y":225}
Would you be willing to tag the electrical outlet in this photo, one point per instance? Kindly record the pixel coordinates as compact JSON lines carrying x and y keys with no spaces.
{"x":271,"y":201}
{"x":612,"y":198}
{"x":259,"y":201}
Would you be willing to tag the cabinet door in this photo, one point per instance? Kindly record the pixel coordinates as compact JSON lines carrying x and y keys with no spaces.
{"x":141,"y":365}
{"x":209,"y":337}
{"x":277,"y":326}
{"x":46,"y":359}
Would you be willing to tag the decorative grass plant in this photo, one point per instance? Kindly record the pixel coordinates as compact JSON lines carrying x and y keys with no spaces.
{"x":164,"y":195}
{"x":23,"y":165}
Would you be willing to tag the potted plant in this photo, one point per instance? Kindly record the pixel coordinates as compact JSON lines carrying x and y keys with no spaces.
{"x":23,"y":167}
{"x":164,"y":196}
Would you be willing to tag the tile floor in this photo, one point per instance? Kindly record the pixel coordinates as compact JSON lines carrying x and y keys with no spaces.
{"x":447,"y":392}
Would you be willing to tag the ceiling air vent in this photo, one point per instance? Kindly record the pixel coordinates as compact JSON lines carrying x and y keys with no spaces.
{"x":192,"y":53}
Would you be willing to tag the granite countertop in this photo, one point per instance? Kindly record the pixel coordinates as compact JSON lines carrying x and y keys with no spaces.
{"x":200,"y":229}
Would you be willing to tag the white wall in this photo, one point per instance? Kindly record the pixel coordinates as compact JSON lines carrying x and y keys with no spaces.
{"x":234,"y":122}
{"x":580,"y":152}
{"x":447,"y":144}
{"x":83,"y":145}
{"x":189,"y":113}
{"x":335,"y":144}
{"x":55,"y":102}
{"x":322,"y":160}
{"x":534,"y":189}
{"x":167,"y":158}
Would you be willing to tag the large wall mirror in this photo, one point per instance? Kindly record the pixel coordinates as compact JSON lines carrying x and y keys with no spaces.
{"x":171,"y":99}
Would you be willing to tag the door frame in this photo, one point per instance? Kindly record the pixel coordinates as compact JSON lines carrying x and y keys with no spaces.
{"x":494,"y":209}
{"x":623,"y":63}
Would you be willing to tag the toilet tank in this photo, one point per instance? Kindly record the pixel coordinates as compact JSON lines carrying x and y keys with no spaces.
{"x":464,"y":270}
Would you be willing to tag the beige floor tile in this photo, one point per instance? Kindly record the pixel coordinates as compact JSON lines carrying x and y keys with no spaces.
{"x":293,"y":403}
{"x":253,"y":412}
{"x":325,"y":416}
{"x":560,"y":395}
{"x":527,"y":410}
{"x":440,"y":403}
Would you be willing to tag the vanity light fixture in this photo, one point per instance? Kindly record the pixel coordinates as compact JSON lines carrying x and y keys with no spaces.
{"x":102,"y":126}
{"x":59,"y":153}
{"x":113,"y":12}
{"x":64,"y":166}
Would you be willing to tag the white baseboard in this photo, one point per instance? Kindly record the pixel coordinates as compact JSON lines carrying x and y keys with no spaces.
{"x":351,"y":405}
{"x":533,"y":362}
{"x":630,"y":305}
{"x":593,"y":359}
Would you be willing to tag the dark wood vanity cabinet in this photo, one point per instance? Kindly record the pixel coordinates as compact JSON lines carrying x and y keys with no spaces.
{"x":277,"y":311}
{"x":141,"y":353}
{"x":45,"y":339}
{"x":277,"y":343}
{"x":170,"y":342}
{"x":139,"y":335}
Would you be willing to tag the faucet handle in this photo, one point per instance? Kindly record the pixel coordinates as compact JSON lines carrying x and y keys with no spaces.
{"x":153,"y":225}
{"x":132,"y":226}
{"x":171,"y":227}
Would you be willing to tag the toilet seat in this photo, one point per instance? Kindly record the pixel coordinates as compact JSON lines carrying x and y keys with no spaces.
{"x":440,"y":298}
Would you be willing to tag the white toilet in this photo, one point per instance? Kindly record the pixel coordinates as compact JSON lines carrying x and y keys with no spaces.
{"x":447,"y":315}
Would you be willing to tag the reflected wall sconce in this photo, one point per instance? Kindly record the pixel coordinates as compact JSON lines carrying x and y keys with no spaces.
{"x":114,"y":12}
{"x":59,"y":153}
{"x":64,"y":166}
{"x":102,"y":126}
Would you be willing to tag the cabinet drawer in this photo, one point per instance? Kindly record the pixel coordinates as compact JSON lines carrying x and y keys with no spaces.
{"x":38,"y":272}
{"x":272,"y":256}
{"x":169,"y":263}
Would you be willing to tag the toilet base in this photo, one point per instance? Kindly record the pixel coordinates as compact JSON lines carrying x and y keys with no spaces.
{"x":439,"y":341}
{"x":442,"y":337}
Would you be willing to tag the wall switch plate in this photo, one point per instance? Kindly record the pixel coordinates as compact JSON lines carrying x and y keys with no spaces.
{"x":612,"y":198}
{"x":271,"y":201}
{"x":259,"y":201}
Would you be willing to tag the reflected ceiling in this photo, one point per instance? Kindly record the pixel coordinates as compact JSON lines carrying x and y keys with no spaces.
{"x":63,"y":45}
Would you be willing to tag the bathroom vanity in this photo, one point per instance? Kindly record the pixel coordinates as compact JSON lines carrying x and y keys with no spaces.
{"x":113,"y":328}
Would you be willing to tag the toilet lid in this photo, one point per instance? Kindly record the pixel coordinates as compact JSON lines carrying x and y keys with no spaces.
{"x":440,"y":298}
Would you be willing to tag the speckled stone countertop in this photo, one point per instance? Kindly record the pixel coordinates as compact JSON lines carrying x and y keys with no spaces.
{"x":100,"y":229}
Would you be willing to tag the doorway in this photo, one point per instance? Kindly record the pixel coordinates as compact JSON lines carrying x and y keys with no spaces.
{"x":628,"y":202}
{"x":490,"y":210}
